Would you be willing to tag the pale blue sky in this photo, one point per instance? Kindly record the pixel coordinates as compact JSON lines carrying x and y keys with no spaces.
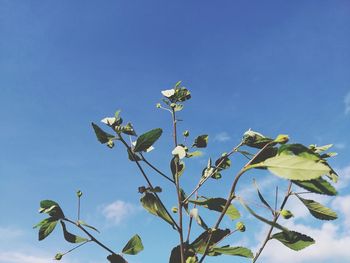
{"x":273,"y":66}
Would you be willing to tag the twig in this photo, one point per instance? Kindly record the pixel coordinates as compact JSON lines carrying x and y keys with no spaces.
{"x":276,"y":216}
{"x":156,"y":169}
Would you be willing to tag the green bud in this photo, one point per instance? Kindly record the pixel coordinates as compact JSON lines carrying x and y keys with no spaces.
{"x":174,"y":209}
{"x":282,"y":138}
{"x":173,"y":105}
{"x":79,"y":193}
{"x":158,"y":105}
{"x":286,"y":214}
{"x":156,"y":189}
{"x":240,"y":226}
{"x":110,"y":144}
{"x":58,"y":256}
{"x":186,"y":133}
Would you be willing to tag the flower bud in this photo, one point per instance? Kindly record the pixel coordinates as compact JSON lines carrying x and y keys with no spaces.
{"x":240,"y":226}
{"x":186,"y":133}
{"x":58,"y":256}
{"x":286,"y":214}
{"x":174,"y":209}
{"x":79,"y":193}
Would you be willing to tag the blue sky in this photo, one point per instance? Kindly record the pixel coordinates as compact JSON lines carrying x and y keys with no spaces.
{"x":273,"y":66}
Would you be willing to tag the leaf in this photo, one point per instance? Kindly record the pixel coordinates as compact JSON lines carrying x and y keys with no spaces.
{"x":200,"y":243}
{"x":46,"y":227}
{"x":255,"y":139}
{"x":134,"y":246}
{"x":71,"y":238}
{"x":114,"y":258}
{"x":128,"y":129}
{"x":147,"y":139}
{"x":151,"y":203}
{"x":318,"y":210}
{"x":218,"y":204}
{"x":201,"y":141}
{"x":194,"y":214}
{"x":318,"y":186}
{"x":319,"y":149}
{"x":133,"y":156}
{"x":52,"y":208}
{"x":177,"y":167}
{"x":81,"y":222}
{"x":299,"y":150}
{"x":293,"y":240}
{"x":223,"y":162}
{"x":102,"y":136}
{"x":294,"y":167}
{"x":194,"y":154}
{"x":233,"y":251}
{"x":262,"y":199}
{"x":262,"y":219}
{"x":175,"y":256}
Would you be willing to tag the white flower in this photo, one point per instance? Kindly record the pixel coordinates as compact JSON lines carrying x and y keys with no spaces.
{"x":109,"y":120}
{"x":179,"y":151}
{"x":168,"y":93}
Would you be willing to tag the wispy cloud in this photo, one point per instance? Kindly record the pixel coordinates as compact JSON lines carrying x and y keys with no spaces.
{"x":10,"y":232}
{"x":21,"y":257}
{"x":222,"y":137}
{"x":118,"y":211}
{"x":347,"y":103}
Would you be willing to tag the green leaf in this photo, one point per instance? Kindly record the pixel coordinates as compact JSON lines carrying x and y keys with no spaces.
{"x":133,"y":156}
{"x":293,"y":240}
{"x":194,"y":154}
{"x":200,"y":243}
{"x":262,"y":199}
{"x":255,"y":139}
{"x":218,"y":204}
{"x":194,"y":214}
{"x":114,"y":258}
{"x":318,"y":210}
{"x":151,"y":203}
{"x":128,"y":129}
{"x":177,"y":167}
{"x":147,"y":139}
{"x":71,"y":238}
{"x":52,"y":208}
{"x":223,"y":162}
{"x":81,"y":222}
{"x":201,"y":141}
{"x":46,"y":227}
{"x":299,"y":150}
{"x":134,"y":246}
{"x":262,"y":219}
{"x":319,"y":149}
{"x":233,"y":251}
{"x":294,"y":167}
{"x":175,"y":256}
{"x":102,"y":136}
{"x":318,"y":186}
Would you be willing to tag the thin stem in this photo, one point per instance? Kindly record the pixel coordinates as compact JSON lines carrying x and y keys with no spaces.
{"x":148,"y":181}
{"x":276,"y":197}
{"x":78,"y":246}
{"x":179,"y":199}
{"x":90,"y":236}
{"x":230,"y":197}
{"x":201,"y":182}
{"x":156,"y":169}
{"x":276,"y":216}
{"x":190,"y":223}
{"x":78,"y":208}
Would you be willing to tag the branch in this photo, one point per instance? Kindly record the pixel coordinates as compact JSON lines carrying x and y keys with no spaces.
{"x":276,"y":216}
{"x":230,"y":197}
{"x":156,"y":169}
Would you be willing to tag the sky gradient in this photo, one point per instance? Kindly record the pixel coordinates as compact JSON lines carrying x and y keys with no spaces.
{"x":272,"y":66}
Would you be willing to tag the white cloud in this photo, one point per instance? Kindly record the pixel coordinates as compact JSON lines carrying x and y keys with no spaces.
{"x":330,"y":245}
{"x":341,"y":203}
{"x":222,"y":137}
{"x":344,"y":177}
{"x":347,"y":103}
{"x":340,"y":146}
{"x":20,"y":257}
{"x":118,"y":211}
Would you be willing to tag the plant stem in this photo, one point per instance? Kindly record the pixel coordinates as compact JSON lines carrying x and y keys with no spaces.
{"x":78,"y":208}
{"x":276,"y":216}
{"x":190,"y":223}
{"x":90,"y":236}
{"x":230,"y":197}
{"x":148,"y":181}
{"x":76,"y":247}
{"x":199,"y":185}
{"x":179,"y":199}
{"x":156,"y":169}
